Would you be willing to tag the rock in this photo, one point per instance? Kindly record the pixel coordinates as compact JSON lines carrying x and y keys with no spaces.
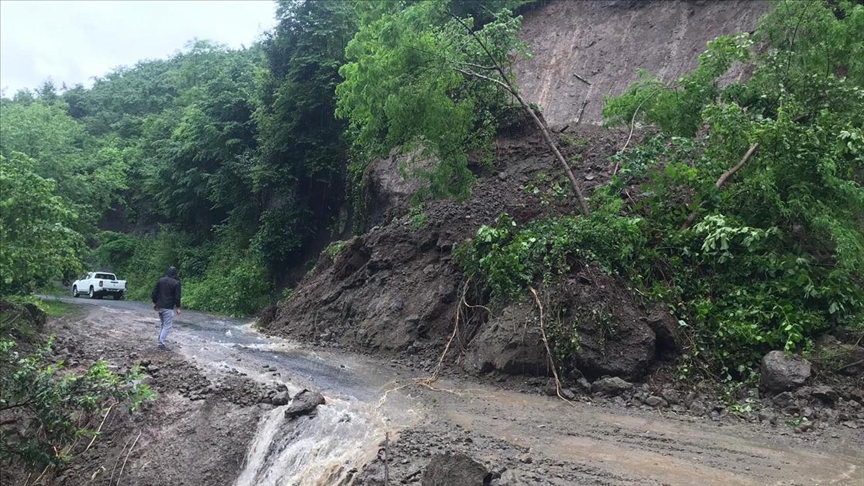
{"x":584,"y":385}
{"x":568,"y":394}
{"x":805,"y":426}
{"x":781,"y":372}
{"x":495,"y":348}
{"x":526,"y":458}
{"x":454,"y":470}
{"x":850,"y":424}
{"x":610,"y":386}
{"x":281,"y":398}
{"x":766,"y":415}
{"x":784,"y":399}
{"x":509,"y":478}
{"x":671,"y":396}
{"x":665,"y":327}
{"x":825,"y":393}
{"x":697,"y":407}
{"x":655,"y":401}
{"x":304,"y":403}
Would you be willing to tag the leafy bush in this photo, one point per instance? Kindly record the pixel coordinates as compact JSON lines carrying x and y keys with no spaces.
{"x":406,"y":85}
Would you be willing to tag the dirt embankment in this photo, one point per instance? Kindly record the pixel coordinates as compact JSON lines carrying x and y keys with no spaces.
{"x":395,"y":289}
{"x":605,"y":42}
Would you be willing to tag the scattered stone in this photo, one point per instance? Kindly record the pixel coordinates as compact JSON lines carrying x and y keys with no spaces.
{"x":454,"y":469}
{"x":671,"y":396}
{"x":826,"y":394}
{"x":781,"y":372}
{"x":697,"y":407}
{"x":526,"y":458}
{"x":655,"y":401}
{"x":850,"y":424}
{"x":784,"y":400}
{"x":611,"y":386}
{"x":281,"y":398}
{"x":304,"y":403}
{"x":767,"y":416}
{"x":508,"y":478}
{"x":805,"y":426}
{"x":584,"y":385}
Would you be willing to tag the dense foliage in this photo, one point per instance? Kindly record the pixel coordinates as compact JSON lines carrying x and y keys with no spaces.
{"x":768,"y":256}
{"x":37,"y":242}
{"x":232,"y":164}
{"x":408,"y":84}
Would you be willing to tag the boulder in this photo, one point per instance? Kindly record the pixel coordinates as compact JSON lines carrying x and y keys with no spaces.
{"x":510,"y":343}
{"x":611,"y":386}
{"x":781,"y":372}
{"x":304,"y":403}
{"x":614,"y":337}
{"x":455,"y":470}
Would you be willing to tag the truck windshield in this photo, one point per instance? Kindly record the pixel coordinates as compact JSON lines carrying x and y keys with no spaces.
{"x":106,"y":276}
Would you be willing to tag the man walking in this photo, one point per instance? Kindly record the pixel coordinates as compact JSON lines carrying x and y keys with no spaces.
{"x":166,"y":298}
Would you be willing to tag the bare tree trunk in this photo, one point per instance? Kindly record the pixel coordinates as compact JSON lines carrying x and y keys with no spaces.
{"x":544,"y":131}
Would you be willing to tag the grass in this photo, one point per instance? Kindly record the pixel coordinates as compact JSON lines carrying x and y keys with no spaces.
{"x":55,"y":308}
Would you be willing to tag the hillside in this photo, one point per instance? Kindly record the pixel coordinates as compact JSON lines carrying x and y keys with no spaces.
{"x":606,"y":42}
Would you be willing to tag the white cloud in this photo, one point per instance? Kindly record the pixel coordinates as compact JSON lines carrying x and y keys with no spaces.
{"x":74,"y":41}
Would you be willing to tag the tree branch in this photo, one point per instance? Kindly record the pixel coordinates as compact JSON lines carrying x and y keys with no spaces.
{"x":10,"y":407}
{"x":691,"y":218}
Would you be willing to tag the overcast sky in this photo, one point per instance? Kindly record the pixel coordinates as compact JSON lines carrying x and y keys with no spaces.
{"x":73,"y":41}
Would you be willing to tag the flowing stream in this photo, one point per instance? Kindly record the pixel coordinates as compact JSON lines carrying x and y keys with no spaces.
{"x":325,"y":449}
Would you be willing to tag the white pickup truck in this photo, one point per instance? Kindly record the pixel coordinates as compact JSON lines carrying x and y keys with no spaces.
{"x":99,"y":284}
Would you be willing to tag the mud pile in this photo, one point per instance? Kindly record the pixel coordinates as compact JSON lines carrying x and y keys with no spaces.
{"x":396,"y":288}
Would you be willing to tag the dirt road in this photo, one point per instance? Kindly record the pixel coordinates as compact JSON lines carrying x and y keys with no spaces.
{"x":213,"y":423}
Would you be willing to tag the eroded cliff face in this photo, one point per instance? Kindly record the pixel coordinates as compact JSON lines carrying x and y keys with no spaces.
{"x":606,"y":41}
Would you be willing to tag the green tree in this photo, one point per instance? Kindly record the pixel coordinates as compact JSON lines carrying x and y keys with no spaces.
{"x":405,"y":86}
{"x":36,"y":242}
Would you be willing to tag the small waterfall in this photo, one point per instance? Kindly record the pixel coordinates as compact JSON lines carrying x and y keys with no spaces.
{"x":312,"y":451}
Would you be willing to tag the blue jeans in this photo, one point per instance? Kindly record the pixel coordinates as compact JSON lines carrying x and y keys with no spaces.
{"x":167,"y":318}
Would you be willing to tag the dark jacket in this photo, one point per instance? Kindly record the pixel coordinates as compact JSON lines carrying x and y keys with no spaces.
{"x":166,"y":293}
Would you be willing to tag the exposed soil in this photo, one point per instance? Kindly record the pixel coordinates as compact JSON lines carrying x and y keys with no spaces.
{"x":395,"y":289}
{"x":197,"y":419}
{"x":605,"y":42}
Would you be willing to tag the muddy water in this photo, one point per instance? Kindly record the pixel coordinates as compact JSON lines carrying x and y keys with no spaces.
{"x":322,"y":450}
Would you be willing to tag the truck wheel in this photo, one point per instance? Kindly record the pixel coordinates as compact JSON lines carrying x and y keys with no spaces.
{"x":74,"y":291}
{"x":91,"y":294}
{"x":118,"y":296}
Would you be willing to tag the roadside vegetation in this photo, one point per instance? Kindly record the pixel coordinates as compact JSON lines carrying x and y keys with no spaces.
{"x":49,"y":412}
